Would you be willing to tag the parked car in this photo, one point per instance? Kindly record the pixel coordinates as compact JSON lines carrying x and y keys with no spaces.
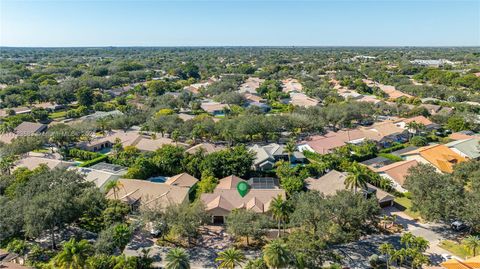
{"x":458,"y":226}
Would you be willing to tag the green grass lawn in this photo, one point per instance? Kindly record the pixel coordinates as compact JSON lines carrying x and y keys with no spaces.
{"x":58,"y":114}
{"x":455,"y":248}
{"x":407,"y":204}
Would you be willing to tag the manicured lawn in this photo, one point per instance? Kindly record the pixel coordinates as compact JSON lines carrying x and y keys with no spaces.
{"x":455,"y":248}
{"x":58,"y":114}
{"x":407,"y":204}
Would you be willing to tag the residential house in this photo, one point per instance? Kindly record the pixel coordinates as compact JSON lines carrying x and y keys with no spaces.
{"x":139,"y":193}
{"x":463,"y":135}
{"x":391,"y":91}
{"x":48,"y":106}
{"x":440,"y":156}
{"x":183,"y":180}
{"x":101,"y":173}
{"x":396,"y":173}
{"x":266,"y":156}
{"x":226,"y":198}
{"x":15,"y":111}
{"x":32,"y":162}
{"x":429,"y":125}
{"x":334,"y":181}
{"x":262,"y":106}
{"x":152,"y":144}
{"x":30,"y":128}
{"x":467,"y":148}
{"x":251,"y":85}
{"x":206,"y":147}
{"x":454,"y":263}
{"x":432,"y":63}
{"x":214,"y":108}
{"x":253,"y":98}
{"x":291,"y":85}
{"x":185,"y":116}
{"x":302,"y":100}
{"x":128,"y":138}
{"x":377,"y":162}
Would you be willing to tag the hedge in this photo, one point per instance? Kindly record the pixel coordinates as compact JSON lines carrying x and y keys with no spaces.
{"x":94,"y":161}
{"x":83,"y":154}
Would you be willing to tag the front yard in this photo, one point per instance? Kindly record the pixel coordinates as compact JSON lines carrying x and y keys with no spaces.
{"x":406,"y":203}
{"x":455,"y":248}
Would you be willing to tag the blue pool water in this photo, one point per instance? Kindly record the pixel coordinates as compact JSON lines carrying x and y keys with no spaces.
{"x":159,"y":179}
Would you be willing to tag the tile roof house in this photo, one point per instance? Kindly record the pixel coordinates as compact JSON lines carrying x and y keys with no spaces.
{"x":206,"y":147}
{"x":463,"y":135}
{"x":302,"y":100}
{"x":30,"y":128}
{"x":468,"y":148}
{"x":226,"y":198}
{"x":291,"y":85}
{"x":150,"y":144}
{"x":146,"y":193}
{"x":440,"y":156}
{"x":128,"y":138}
{"x":214,"y":108}
{"x":396,"y":173}
{"x":472,"y":263}
{"x":183,"y":180}
{"x":251,"y":85}
{"x":334,"y":181}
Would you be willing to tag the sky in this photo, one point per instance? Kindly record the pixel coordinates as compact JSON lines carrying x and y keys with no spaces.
{"x":64,"y":23}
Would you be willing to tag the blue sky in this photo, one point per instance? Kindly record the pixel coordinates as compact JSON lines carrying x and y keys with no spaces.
{"x":239,"y":23}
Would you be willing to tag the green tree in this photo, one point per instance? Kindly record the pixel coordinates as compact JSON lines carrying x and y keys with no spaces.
{"x":290,"y":149}
{"x":472,"y":242}
{"x":244,"y":223}
{"x":73,"y":255}
{"x":230,"y":258}
{"x":387,"y":249}
{"x":207,"y":183}
{"x":357,"y":178}
{"x":280,"y":211}
{"x":255,"y":264}
{"x":177,"y":258}
{"x":85,"y":96}
{"x":276,"y":255}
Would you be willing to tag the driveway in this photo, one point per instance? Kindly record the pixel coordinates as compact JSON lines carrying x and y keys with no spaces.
{"x":433,"y":232}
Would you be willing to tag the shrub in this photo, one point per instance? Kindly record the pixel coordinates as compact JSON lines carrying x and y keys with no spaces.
{"x":94,"y":161}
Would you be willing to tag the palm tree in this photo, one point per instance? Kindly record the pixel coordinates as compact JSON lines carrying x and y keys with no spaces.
{"x":114,"y":185}
{"x":280,"y":210}
{"x":419,"y":259}
{"x":124,"y":262}
{"x":177,"y":258}
{"x":275,"y":255}
{"x":399,"y":256}
{"x":356,"y":178}
{"x":230,"y":258}
{"x":255,"y":264}
{"x":472,"y":242}
{"x":290,"y":149}
{"x":7,"y":163}
{"x":387,"y":250}
{"x":74,"y":255}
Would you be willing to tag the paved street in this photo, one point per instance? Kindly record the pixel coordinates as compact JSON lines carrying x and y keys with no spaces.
{"x":433,"y":232}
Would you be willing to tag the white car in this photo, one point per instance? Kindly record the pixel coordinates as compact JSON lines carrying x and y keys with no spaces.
{"x":446,"y":257}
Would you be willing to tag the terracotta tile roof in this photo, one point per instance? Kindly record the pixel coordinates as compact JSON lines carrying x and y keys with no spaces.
{"x":461,"y":136}
{"x":213,"y":106}
{"x":182,"y":180}
{"x":419,"y":119}
{"x":34,"y":162}
{"x":397,"y":171}
{"x":472,"y":263}
{"x":439,"y":156}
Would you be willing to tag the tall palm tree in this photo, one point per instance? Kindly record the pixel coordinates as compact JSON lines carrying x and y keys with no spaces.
{"x":420,"y":259}
{"x":114,"y":185}
{"x":230,"y":258}
{"x":290,"y":149}
{"x":177,"y":258}
{"x":472,"y":242}
{"x":124,"y":262}
{"x":73,"y":255}
{"x":276,"y":255}
{"x":280,"y":210}
{"x":357,"y":178}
